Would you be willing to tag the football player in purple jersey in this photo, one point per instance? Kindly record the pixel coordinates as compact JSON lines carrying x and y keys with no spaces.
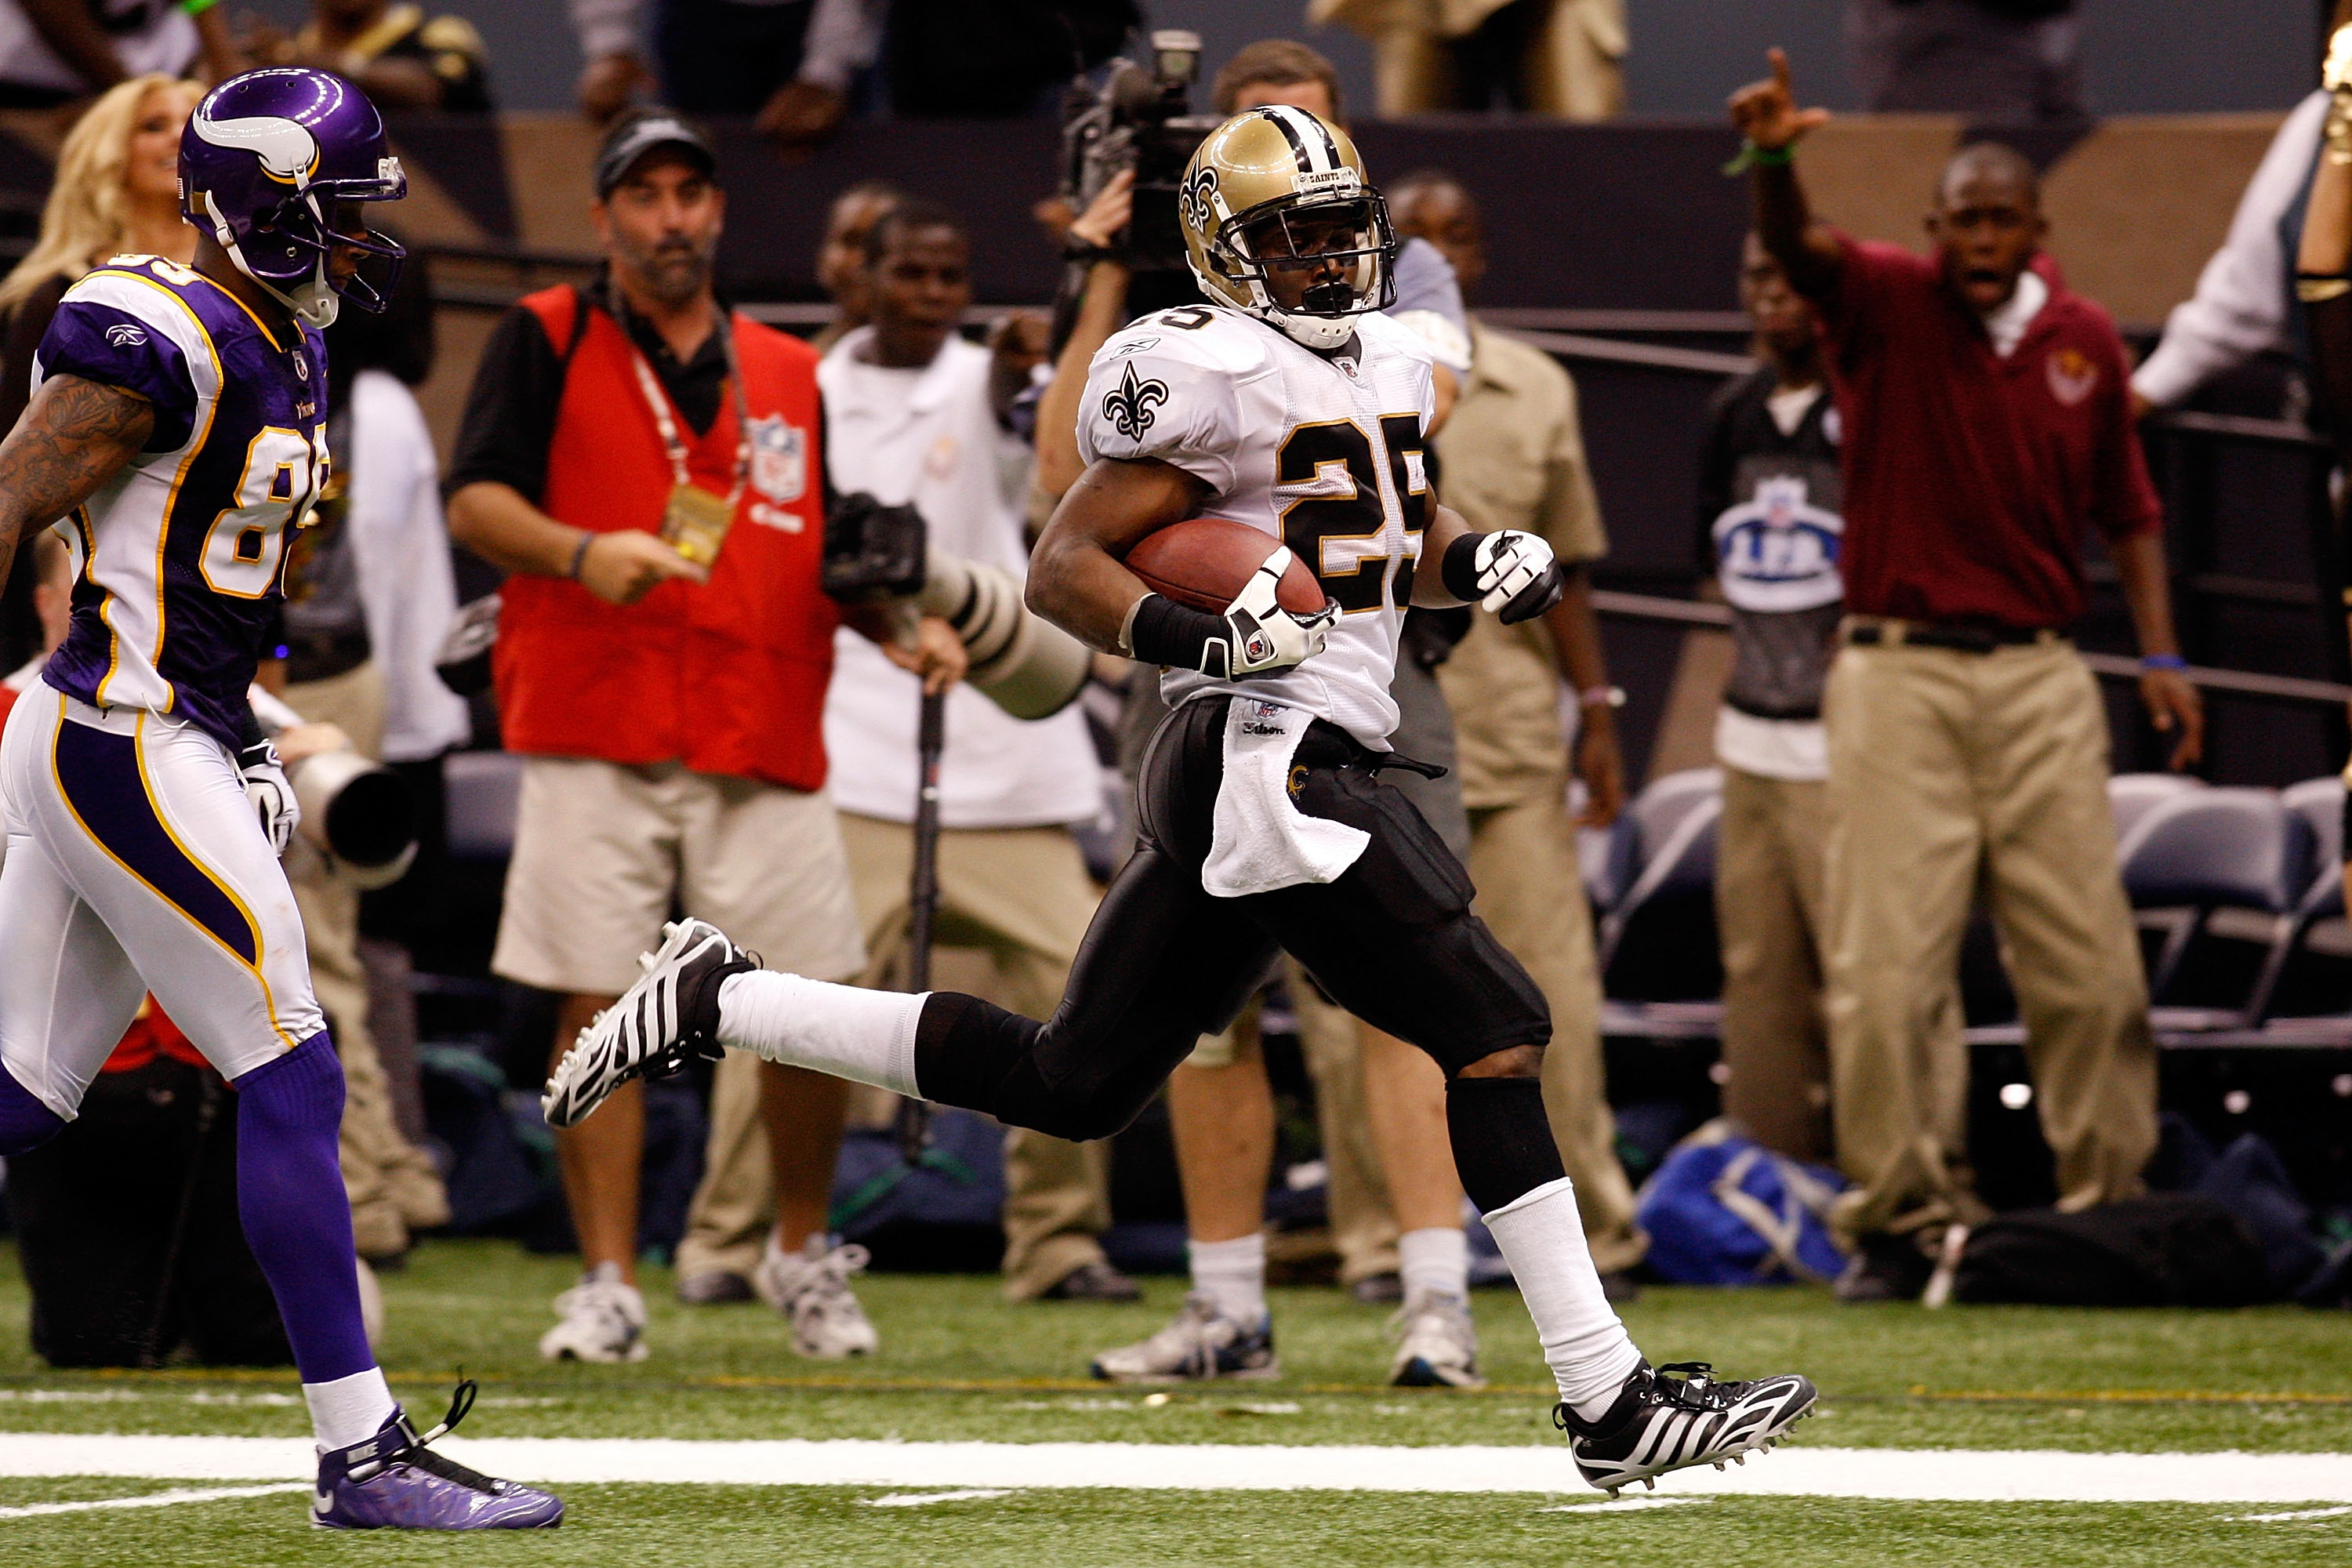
{"x":175,"y":439}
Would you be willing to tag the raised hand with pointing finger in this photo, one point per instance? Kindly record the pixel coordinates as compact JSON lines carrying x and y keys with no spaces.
{"x":1766,"y":111}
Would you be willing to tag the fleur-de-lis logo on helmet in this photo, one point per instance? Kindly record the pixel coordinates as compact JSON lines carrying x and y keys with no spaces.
{"x":1128,"y":405}
{"x":1193,"y":198}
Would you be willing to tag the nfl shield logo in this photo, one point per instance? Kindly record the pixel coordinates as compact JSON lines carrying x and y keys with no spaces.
{"x":779,"y":459}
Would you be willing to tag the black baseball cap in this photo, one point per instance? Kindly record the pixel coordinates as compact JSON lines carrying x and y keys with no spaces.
{"x":641,"y":134}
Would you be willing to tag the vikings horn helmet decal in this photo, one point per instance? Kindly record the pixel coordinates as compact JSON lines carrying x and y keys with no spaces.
{"x":269,"y":165}
{"x":288,"y":152}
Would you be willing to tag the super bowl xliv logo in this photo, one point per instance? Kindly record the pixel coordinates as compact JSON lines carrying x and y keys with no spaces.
{"x":779,"y":459}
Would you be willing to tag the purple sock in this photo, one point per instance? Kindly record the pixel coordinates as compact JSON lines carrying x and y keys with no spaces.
{"x":290,"y":1194}
{"x":25,"y":1122}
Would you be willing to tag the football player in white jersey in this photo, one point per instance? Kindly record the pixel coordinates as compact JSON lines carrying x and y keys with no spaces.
{"x":177,"y":426}
{"x":1284,"y":403}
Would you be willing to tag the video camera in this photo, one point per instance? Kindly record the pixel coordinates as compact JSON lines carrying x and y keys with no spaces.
{"x":1139,"y":119}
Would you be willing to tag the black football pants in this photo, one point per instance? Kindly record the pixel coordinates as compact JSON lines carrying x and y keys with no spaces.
{"x":1393,"y":941}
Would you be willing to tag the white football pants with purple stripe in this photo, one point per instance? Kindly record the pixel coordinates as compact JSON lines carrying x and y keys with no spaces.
{"x":135,"y":863}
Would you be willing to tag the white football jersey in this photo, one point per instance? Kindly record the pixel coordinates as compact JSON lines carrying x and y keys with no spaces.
{"x":1325,"y":455}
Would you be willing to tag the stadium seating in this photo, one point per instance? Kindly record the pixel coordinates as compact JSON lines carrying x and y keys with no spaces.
{"x":2208,"y":849}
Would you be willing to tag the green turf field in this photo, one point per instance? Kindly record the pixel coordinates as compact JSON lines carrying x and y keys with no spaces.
{"x":960,"y":1364}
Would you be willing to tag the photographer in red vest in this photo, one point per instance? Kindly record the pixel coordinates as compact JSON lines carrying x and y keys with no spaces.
{"x":646,"y":465}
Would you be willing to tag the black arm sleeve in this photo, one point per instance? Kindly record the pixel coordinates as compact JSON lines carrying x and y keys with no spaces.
{"x":510,"y":411}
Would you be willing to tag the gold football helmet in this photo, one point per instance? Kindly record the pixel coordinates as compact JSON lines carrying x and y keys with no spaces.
{"x":1282,"y":187}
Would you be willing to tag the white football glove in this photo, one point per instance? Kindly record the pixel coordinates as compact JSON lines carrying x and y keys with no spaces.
{"x":1519,"y":579}
{"x":271,"y":795}
{"x":1263,"y":637}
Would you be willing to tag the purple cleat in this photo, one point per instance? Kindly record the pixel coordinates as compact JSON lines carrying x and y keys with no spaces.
{"x":393,"y":1481}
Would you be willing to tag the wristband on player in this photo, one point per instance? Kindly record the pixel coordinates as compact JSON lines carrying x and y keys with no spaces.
{"x":580,"y":553}
{"x":2162,"y":661}
{"x":1161,"y":631}
{"x":1458,"y":568}
{"x":1751,"y":156}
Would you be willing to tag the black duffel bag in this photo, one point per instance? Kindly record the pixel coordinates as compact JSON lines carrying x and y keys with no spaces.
{"x":2169,"y":1250}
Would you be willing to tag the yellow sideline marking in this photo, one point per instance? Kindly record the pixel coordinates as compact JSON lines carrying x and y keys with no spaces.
{"x":2122,"y":1397}
{"x":731,"y":1381}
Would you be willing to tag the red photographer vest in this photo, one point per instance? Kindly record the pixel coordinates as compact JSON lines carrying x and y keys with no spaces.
{"x":727,"y":677}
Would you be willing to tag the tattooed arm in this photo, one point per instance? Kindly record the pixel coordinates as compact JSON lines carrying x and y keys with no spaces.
{"x":76,"y":435}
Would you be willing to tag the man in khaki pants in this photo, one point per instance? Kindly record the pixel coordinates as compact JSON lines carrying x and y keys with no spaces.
{"x":1988,"y":426}
{"x":911,"y":419}
{"x":1514,"y":457}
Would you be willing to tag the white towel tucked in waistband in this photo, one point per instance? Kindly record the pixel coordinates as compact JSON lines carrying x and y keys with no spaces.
{"x":1259,"y":840}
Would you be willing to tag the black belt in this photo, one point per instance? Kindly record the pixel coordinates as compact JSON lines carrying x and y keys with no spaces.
{"x":322,"y":655}
{"x":1959,"y":637}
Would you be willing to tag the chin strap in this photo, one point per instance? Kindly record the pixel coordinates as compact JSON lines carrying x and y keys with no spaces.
{"x":319,"y":304}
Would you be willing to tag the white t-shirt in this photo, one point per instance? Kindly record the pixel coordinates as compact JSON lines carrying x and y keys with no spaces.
{"x":1324,"y":455}
{"x":929,"y":436}
{"x":407,"y":587}
{"x":2006,"y":323}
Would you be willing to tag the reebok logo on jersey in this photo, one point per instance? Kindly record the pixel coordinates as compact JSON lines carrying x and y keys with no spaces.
{"x":1128,"y":405}
{"x":125,"y":337}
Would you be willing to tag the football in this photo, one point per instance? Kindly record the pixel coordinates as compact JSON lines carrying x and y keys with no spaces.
{"x":1208,"y":561}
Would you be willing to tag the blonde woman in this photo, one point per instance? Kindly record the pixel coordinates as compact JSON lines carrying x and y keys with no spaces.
{"x":118,"y":190}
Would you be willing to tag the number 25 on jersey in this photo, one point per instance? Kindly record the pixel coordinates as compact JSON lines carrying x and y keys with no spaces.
{"x":1340,"y":525}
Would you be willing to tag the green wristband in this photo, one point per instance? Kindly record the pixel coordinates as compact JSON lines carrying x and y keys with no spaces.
{"x":198,"y":8}
{"x":1751,"y":156}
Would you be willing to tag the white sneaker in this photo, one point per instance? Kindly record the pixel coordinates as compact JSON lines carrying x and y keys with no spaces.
{"x":604,"y":1320}
{"x":811,"y":1288}
{"x":1204,"y":1342}
{"x":1437,"y":1345}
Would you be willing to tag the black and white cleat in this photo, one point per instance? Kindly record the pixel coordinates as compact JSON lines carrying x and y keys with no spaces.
{"x":1661,"y":1421}
{"x":664,"y":1020}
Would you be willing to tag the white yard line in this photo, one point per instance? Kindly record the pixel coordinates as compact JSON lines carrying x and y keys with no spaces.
{"x":1954,"y":1475}
{"x":920,"y":1500}
{"x":154,"y":1499}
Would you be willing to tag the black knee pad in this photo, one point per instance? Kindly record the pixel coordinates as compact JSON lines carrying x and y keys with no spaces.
{"x":965,"y":1048}
{"x":1025,"y":1099}
{"x":1503,"y":1146}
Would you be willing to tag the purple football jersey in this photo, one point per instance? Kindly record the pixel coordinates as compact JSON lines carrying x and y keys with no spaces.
{"x":180,"y":559}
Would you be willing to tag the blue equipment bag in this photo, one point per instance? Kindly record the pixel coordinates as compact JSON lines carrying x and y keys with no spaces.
{"x":1725,"y":1210}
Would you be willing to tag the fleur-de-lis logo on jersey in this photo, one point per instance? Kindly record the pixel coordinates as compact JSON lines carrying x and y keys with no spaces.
{"x":1128,"y":405}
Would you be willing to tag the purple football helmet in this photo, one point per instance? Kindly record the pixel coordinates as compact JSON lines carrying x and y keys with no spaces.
{"x":265,"y":161}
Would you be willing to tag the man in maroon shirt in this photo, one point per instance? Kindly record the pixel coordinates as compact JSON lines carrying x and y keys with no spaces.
{"x":1988,"y":425}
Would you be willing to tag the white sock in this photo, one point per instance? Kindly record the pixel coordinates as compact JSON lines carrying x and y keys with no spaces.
{"x":1590,"y":1353}
{"x":1232,"y":1274}
{"x":350,"y":1409}
{"x":867,"y":1036}
{"x":1434,"y":1262}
